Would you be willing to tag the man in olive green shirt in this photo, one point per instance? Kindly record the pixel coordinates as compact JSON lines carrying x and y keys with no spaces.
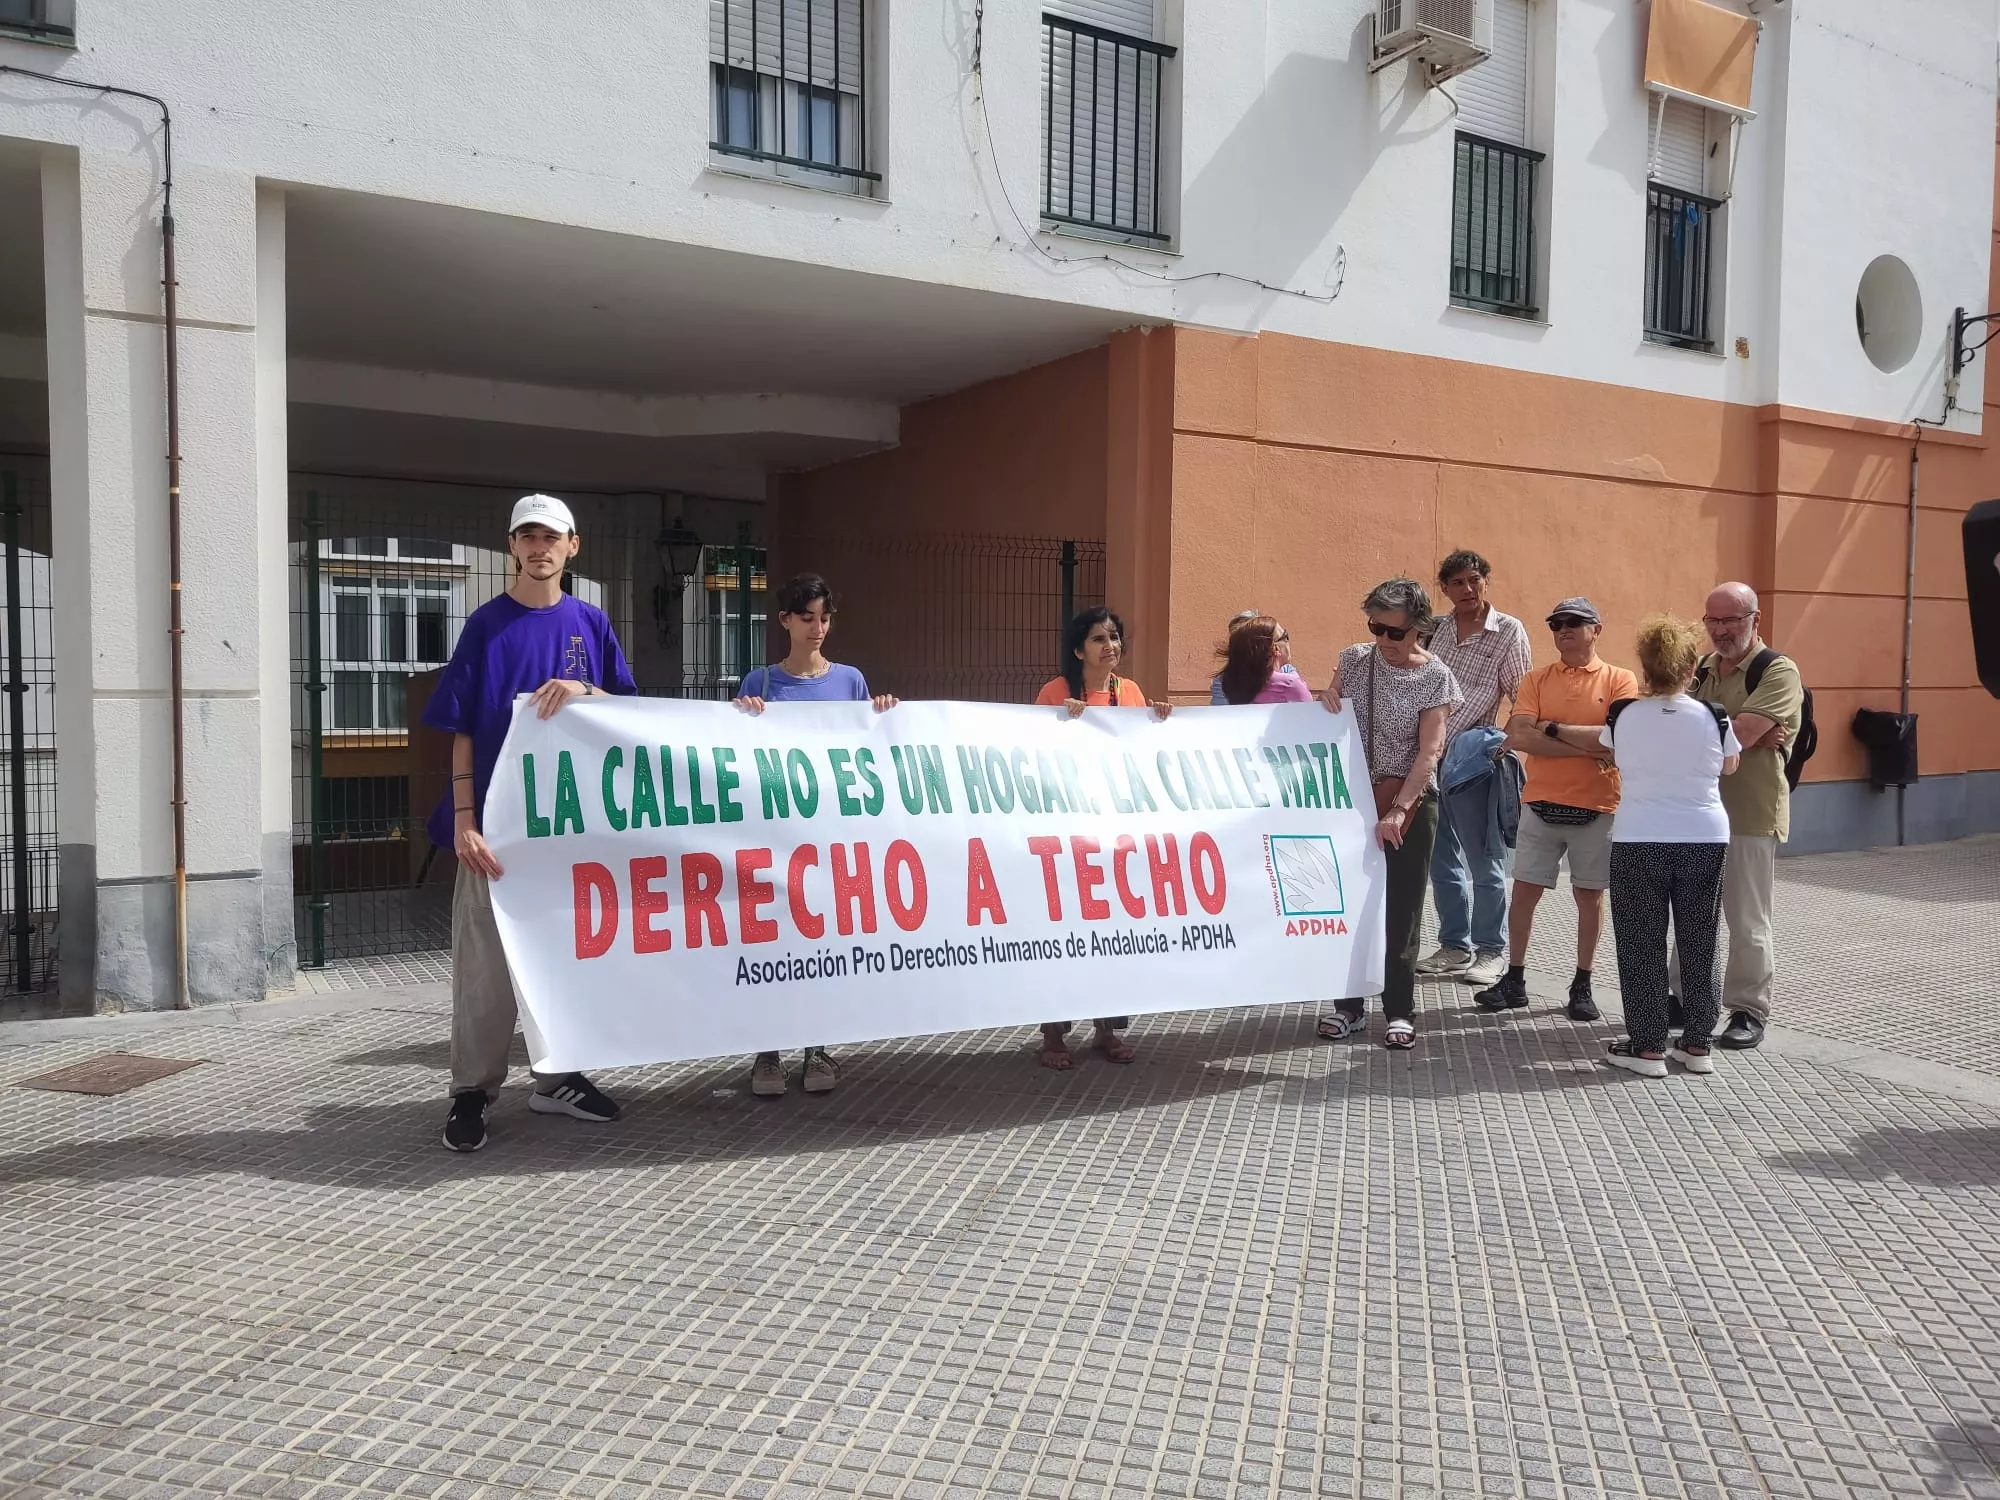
{"x":1757,"y":797}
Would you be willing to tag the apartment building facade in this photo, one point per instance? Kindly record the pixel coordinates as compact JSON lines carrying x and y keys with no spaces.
{"x":984,"y":309}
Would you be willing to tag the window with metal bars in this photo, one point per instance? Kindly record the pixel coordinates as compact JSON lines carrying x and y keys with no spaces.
{"x":45,"y":20}
{"x":789,"y":82}
{"x":1493,"y":227}
{"x":1101,"y":129}
{"x":1680,"y":247}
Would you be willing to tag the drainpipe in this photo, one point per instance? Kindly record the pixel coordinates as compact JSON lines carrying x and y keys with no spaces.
{"x":1909,"y":620}
{"x":171,"y":324}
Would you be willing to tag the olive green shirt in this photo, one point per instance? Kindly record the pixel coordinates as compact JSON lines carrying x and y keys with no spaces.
{"x":1758,"y":798}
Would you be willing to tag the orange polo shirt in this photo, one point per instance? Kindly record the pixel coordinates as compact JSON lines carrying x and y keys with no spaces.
{"x":1573,"y":695}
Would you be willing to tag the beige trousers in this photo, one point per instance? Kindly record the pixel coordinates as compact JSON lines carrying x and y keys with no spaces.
{"x":1747,"y":883}
{"x":482,"y":990}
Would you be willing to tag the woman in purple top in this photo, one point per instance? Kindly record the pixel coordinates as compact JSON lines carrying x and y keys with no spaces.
{"x":805,"y":610}
{"x":1253,"y":661}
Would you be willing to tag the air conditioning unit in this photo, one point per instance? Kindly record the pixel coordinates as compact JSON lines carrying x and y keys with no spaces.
{"x":1448,"y":35}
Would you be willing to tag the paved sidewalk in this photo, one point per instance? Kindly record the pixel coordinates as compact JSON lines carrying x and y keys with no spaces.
{"x":1252,"y":1264}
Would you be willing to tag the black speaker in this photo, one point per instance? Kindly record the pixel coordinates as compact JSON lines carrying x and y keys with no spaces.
{"x":1982,"y":588}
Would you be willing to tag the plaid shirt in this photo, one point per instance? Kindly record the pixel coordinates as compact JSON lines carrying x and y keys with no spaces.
{"x":1488,"y":667}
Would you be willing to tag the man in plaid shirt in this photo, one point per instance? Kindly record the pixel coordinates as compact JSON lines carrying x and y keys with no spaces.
{"x":1489,"y":654}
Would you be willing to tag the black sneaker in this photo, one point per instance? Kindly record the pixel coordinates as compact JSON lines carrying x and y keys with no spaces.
{"x":1509,"y":994}
{"x":465,"y":1126}
{"x":1582,"y":1005}
{"x":1743,"y":1032}
{"x":571,"y":1094}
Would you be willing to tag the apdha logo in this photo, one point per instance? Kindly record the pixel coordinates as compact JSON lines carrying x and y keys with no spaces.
{"x":1305,"y":875}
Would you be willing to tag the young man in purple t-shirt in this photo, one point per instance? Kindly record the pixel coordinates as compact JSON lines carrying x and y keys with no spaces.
{"x":532,"y":639}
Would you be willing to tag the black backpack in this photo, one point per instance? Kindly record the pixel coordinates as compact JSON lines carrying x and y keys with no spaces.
{"x":1806,"y":741}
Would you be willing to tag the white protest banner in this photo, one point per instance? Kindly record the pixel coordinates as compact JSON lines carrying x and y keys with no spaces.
{"x":688,"y":880}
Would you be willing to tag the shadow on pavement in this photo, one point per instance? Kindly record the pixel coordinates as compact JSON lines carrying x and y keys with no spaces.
{"x":891,"y":1095}
{"x":1963,"y":1157}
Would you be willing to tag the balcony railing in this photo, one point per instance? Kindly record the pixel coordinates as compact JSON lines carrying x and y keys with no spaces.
{"x":1493,"y":227}
{"x":1101,"y":95}
{"x":53,"y":19}
{"x":1680,"y":234}
{"x":790,"y":84}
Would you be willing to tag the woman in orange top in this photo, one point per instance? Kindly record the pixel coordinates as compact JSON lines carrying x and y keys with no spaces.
{"x":1093,"y":645}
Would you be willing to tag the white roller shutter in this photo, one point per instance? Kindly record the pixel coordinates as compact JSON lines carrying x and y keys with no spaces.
{"x":1493,"y":97}
{"x":1100,"y":112}
{"x":796,"y":39}
{"x":1680,"y":145}
{"x":1129,"y":17}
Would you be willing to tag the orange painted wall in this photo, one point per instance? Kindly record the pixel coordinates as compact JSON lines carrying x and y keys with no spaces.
{"x":945,"y":551}
{"x":1304,"y":472}
{"x":1023,"y":455}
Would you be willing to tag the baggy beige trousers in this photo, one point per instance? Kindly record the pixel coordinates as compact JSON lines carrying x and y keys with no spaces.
{"x":483,"y":1009}
{"x":1747,"y":884}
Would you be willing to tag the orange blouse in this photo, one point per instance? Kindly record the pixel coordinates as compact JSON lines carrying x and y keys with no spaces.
{"x":1057,"y":693}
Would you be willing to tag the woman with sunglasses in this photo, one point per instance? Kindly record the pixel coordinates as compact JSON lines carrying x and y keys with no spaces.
{"x":1402,"y":698}
{"x":1093,"y":646}
{"x":1254,"y":661}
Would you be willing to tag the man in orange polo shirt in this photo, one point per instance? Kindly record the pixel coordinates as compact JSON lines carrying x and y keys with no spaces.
{"x":1568,"y":800}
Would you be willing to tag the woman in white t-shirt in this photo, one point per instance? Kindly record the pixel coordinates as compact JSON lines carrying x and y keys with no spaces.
{"x":1667,"y":850}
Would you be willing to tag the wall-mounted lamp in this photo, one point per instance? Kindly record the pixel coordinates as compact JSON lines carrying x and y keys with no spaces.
{"x":680,"y":555}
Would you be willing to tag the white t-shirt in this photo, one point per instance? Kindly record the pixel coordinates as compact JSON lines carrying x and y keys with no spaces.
{"x":1670,"y":753}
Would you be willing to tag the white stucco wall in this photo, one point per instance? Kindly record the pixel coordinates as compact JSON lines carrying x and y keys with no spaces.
{"x":1873,"y":134}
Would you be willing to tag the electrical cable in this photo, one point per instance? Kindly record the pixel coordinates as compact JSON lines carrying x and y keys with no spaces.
{"x":166,"y":122}
{"x":1337,"y":271}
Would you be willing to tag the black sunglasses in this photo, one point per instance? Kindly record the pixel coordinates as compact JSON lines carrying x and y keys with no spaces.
{"x":1394,"y":632}
{"x":1568,"y":622}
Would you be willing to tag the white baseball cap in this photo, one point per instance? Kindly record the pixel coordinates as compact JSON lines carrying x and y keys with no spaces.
{"x":542,"y":510}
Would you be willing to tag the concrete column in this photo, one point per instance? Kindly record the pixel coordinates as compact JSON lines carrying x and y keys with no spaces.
{"x":101,"y":218}
{"x":1139,"y":496}
{"x":273,"y":563}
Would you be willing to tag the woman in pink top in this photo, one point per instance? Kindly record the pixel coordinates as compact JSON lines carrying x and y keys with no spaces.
{"x":1251,"y":661}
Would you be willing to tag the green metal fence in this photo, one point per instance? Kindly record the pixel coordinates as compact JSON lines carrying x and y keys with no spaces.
{"x":382,"y":585}
{"x":29,"y":848}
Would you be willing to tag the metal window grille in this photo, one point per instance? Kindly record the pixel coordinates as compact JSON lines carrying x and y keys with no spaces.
{"x":1680,"y":232}
{"x":1493,"y":226}
{"x":29,"y":848}
{"x":789,"y":84}
{"x":55,"y":19}
{"x":1101,"y":93}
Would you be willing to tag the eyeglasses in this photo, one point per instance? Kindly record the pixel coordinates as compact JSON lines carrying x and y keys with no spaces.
{"x":1714,"y":620}
{"x":1394,"y":632}
{"x":1569,"y":622}
{"x":1281,"y":639}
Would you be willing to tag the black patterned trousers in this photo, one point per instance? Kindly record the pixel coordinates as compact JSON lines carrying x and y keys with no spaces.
{"x":1649,"y":884}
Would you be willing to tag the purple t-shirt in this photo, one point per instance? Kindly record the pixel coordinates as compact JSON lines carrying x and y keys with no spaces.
{"x":1283,"y":688}
{"x":839,"y":684}
{"x":507,"y":649}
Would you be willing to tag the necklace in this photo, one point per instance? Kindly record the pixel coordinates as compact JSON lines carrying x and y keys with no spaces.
{"x":824,"y":668}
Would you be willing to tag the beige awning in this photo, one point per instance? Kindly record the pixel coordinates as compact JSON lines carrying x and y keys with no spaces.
{"x":1702,"y":53}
